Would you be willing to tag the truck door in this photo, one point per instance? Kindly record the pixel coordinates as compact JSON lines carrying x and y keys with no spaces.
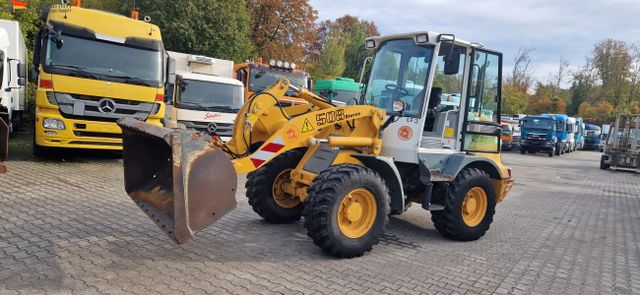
{"x":481,"y":126}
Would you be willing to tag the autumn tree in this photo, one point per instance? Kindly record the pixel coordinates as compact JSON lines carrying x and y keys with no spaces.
{"x":331,"y":63}
{"x":612,"y":61}
{"x":516,"y":85}
{"x":355,"y":31}
{"x":282,"y":29}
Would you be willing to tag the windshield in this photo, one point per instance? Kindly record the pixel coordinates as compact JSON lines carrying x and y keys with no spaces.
{"x":400,"y":71}
{"x":105,"y":61}
{"x":345,"y":96}
{"x":593,"y":132}
{"x":262,"y":77}
{"x":506,"y":130}
{"x":208,"y":95}
{"x":537,"y":124}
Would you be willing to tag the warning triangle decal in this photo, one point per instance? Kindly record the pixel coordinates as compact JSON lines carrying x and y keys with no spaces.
{"x":306,"y":127}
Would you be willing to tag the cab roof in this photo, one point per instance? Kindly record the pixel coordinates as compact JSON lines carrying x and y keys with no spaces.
{"x":432,"y":39}
{"x":103,"y":23}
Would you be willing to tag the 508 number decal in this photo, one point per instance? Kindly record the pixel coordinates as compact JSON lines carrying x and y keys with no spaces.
{"x":329,"y":117}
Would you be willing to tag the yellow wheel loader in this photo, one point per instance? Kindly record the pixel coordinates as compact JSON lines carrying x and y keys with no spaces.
{"x":343,"y":169}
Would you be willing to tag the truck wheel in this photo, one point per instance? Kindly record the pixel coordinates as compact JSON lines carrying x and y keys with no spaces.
{"x":469,"y":207}
{"x":523,"y":151}
{"x":603,"y":164}
{"x":39,"y":151}
{"x":558,"y":149}
{"x":347,"y":210}
{"x":265,"y":193}
{"x":552,"y":152}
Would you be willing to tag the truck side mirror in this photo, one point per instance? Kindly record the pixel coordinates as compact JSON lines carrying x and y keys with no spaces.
{"x":22,"y":72}
{"x":22,"y":81}
{"x":452,"y":62}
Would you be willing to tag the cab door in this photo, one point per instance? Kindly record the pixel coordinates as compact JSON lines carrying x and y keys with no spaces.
{"x":481,"y":125}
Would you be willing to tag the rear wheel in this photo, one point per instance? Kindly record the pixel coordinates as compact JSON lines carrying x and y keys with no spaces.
{"x":469,"y":209}
{"x":603,"y":163}
{"x":265,"y":189}
{"x":347,"y":210}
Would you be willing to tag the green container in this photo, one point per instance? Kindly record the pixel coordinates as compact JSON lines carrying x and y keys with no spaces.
{"x":341,"y":89}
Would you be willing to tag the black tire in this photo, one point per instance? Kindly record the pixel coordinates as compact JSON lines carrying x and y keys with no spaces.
{"x":259,"y":187}
{"x":323,"y":203}
{"x":558,"y":149}
{"x":552,"y":152}
{"x":603,"y":164}
{"x":39,"y":151}
{"x":449,"y":222}
{"x":523,"y":151}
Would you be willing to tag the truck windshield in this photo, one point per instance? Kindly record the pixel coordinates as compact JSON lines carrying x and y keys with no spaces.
{"x":104,"y":61}
{"x":263,"y":77}
{"x":340,"y":95}
{"x":400,"y":70}
{"x":539,"y":124}
{"x":210,"y":96}
{"x":593,"y":132}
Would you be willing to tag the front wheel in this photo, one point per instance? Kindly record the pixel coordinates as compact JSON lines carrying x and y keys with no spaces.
{"x":265,"y":189}
{"x":603,"y":163}
{"x":552,"y":152}
{"x":469,"y":209}
{"x":523,"y":151}
{"x":346,"y":210}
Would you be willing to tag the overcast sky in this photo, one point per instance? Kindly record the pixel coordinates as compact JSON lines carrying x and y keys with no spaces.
{"x":555,"y":28}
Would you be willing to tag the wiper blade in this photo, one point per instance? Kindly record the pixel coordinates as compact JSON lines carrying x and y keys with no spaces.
{"x":131,"y":79}
{"x":77,"y":69}
{"x":195,"y":106}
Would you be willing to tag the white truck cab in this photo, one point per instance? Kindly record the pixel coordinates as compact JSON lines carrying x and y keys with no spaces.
{"x":202,"y":94}
{"x":12,"y":74}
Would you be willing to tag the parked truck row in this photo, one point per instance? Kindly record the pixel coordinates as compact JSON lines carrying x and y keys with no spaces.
{"x":554,"y":134}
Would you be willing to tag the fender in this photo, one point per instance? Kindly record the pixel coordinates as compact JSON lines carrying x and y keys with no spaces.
{"x":389,"y":172}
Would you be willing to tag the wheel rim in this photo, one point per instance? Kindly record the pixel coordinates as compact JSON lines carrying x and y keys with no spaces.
{"x":282,"y":198}
{"x":474,"y":206}
{"x":357,"y":213}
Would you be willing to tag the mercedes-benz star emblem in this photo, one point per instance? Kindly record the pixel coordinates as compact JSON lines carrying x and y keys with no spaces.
{"x":107,"y":106}
{"x":212,"y":127}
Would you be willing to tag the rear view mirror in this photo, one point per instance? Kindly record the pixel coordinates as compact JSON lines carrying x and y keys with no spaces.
{"x":398,"y":106}
{"x":22,"y":71}
{"x":452,"y":62}
{"x":22,"y":81}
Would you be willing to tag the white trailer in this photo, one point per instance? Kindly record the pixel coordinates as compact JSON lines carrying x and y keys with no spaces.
{"x":202,"y":94}
{"x":14,"y":60}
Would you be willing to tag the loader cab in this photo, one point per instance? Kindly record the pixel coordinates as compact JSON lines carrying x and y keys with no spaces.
{"x":451,"y":89}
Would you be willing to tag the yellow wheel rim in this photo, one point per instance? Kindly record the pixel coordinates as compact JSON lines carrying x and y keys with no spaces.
{"x":357,"y":213}
{"x":474,"y":206}
{"x":282,"y":198}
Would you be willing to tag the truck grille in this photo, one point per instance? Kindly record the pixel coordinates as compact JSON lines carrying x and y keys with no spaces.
{"x":84,"y":107}
{"x":224,"y":129}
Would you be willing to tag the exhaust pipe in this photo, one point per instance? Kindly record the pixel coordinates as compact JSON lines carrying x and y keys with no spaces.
{"x":177,"y":177}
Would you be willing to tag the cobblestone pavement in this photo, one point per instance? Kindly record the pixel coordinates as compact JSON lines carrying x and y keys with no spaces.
{"x":566,"y":228}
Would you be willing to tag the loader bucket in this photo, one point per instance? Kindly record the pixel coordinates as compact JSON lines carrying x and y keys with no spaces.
{"x":4,"y":145}
{"x":181,"y":181}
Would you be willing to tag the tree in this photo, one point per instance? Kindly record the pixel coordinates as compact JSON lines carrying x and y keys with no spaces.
{"x":282,"y":29}
{"x":612,"y":61}
{"x":583,"y":87}
{"x":330,"y":65}
{"x":522,"y":73}
{"x":217,"y":28}
{"x":599,"y":113}
{"x":514,"y":100}
{"x":356,"y":31}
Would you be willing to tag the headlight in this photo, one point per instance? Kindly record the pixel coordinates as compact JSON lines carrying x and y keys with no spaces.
{"x":55,"y":124}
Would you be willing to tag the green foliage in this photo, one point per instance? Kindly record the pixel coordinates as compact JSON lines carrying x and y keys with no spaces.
{"x":217,"y":28}
{"x":331,"y":62}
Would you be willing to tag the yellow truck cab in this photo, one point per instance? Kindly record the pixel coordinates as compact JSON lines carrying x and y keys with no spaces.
{"x":93,"y":68}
